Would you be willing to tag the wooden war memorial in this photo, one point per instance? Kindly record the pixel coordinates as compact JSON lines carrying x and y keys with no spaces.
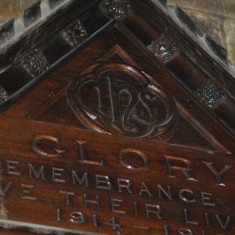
{"x":116,"y":118}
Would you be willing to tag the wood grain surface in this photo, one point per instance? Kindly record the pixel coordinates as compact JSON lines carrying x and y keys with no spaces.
{"x":116,"y":126}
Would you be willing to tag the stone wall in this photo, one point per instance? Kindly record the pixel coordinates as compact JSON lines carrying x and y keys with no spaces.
{"x":13,"y":8}
{"x":216,"y":17}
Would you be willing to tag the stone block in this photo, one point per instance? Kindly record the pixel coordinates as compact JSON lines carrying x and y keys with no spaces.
{"x":229,"y":28}
{"x":210,"y":24}
{"x":13,"y":8}
{"x":217,"y":7}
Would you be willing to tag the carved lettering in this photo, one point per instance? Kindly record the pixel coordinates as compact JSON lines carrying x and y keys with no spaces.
{"x":77,"y":218}
{"x":95,"y":202}
{"x":59,"y":215}
{"x":26,"y":191}
{"x":167,"y":193}
{"x":130,"y":190}
{"x":184,"y":231}
{"x":207,"y":220}
{"x":136,"y":209}
{"x":206,"y":199}
{"x":113,"y":223}
{"x":38,"y":174}
{"x":57,"y":174}
{"x":43,"y":140}
{"x":142,"y":227}
{"x":12,"y":167}
{"x":153,"y":209}
{"x":115,"y":205}
{"x":217,"y":173}
{"x":184,"y":192}
{"x":5,"y":189}
{"x":186,"y":169}
{"x":83,"y":181}
{"x":224,"y":224}
{"x":95,"y":221}
{"x":83,"y":156}
{"x":144,"y":189}
{"x":131,"y":154}
{"x":166,"y":230}
{"x":187,"y":219}
{"x":103,"y":182}
{"x":124,"y":184}
{"x":68,"y":196}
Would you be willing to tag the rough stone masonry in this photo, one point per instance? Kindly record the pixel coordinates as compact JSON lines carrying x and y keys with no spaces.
{"x":215,"y":17}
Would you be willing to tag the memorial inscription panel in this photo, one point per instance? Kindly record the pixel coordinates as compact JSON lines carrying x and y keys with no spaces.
{"x":68,"y":180}
{"x":115,"y":139}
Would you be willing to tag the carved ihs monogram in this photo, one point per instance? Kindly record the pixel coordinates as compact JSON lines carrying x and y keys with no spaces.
{"x":119,"y":99}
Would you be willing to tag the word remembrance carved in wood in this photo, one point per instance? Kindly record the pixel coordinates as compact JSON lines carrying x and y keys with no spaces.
{"x":114,"y":120}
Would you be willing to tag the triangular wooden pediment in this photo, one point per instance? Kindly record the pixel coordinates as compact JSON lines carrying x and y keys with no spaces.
{"x":121,"y":89}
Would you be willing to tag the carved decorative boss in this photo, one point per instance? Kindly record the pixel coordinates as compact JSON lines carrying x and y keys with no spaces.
{"x":34,"y":63}
{"x":3,"y":95}
{"x":74,"y":33}
{"x":210,"y":94}
{"x":163,"y":48}
{"x":116,"y":8}
{"x":120,"y":99}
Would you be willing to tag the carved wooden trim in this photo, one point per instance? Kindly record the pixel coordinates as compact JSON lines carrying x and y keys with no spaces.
{"x":116,"y":8}
{"x":74,"y":33}
{"x":3,"y":95}
{"x":34,"y":63}
{"x":163,"y":48}
{"x":210,"y":94}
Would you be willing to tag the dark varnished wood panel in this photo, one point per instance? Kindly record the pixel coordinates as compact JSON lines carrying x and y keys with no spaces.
{"x":53,"y":106}
{"x":126,"y":134}
{"x":142,"y":173}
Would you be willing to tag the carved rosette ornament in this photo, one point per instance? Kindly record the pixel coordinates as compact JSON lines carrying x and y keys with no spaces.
{"x":34,"y":63}
{"x":74,"y":33}
{"x":3,"y":95}
{"x":120,"y":99}
{"x":163,"y":48}
{"x":210,"y":94}
{"x":116,"y":8}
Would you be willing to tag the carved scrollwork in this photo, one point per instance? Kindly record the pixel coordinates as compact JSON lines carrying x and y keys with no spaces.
{"x":209,"y":94}
{"x":116,"y":8}
{"x":120,"y":99}
{"x":34,"y":63}
{"x":163,"y":48}
{"x":3,"y":95}
{"x":74,"y":33}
